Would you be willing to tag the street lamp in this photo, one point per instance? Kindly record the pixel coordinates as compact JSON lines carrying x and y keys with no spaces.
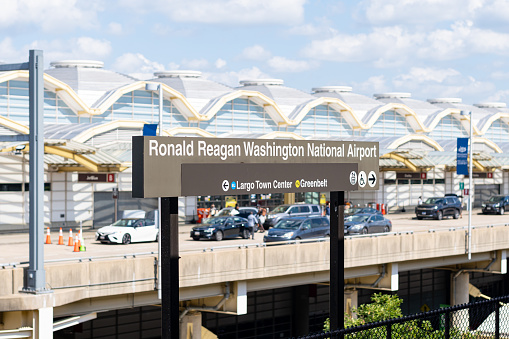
{"x":470,"y":145}
{"x":158,"y":87}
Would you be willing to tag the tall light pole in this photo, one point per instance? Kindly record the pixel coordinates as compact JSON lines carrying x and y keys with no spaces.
{"x":158,"y":87}
{"x":470,"y":168}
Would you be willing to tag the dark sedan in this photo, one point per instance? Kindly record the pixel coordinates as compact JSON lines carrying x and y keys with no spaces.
{"x":295,"y":228}
{"x":367,"y":223}
{"x":496,"y":204}
{"x":220,"y":228}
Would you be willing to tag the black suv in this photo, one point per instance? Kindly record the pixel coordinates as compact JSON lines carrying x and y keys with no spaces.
{"x":439,"y":207}
{"x":496,"y":204}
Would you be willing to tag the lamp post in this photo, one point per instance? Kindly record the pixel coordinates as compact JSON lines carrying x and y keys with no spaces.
{"x":158,"y":87}
{"x":470,"y":155}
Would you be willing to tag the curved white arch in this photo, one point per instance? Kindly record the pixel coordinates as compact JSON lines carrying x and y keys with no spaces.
{"x":424,"y":138}
{"x":268,"y":104}
{"x":281,"y":134}
{"x":455,"y":112}
{"x":189,"y":130}
{"x":488,"y":143}
{"x":492,"y":119}
{"x":337,"y":104}
{"x":409,"y":114}
{"x":13,"y":125}
{"x":103,"y":128}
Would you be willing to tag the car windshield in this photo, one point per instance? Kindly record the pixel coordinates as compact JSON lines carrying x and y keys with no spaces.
{"x":434,"y":201}
{"x":353,"y":210}
{"x":496,"y":199}
{"x":280,"y":209}
{"x":224,"y":212}
{"x":357,"y":218}
{"x":127,"y":222}
{"x":214,"y":221}
{"x":288,"y":224}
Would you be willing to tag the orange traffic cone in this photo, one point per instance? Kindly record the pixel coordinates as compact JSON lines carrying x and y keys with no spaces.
{"x":48,"y":237}
{"x":383,"y":209}
{"x":70,"y":242}
{"x":76,"y":244}
{"x":60,"y":237}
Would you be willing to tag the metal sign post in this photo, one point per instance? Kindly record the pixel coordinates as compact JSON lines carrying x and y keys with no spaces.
{"x":173,"y":166}
{"x":35,"y":276}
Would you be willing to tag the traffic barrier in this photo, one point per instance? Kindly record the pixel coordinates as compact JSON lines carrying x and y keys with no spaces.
{"x":77,"y":244}
{"x":60,"y":237}
{"x":48,"y":237}
{"x":80,"y":236}
{"x":70,"y":242}
{"x":378,"y":207}
{"x":203,"y":213}
{"x":383,"y":209}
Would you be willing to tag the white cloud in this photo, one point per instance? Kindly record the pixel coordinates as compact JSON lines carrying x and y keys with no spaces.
{"x":500,"y":75}
{"x":282,"y":64}
{"x":255,"y":52}
{"x":220,"y":63}
{"x":228,"y":12}
{"x":374,"y":84}
{"x":137,"y":65}
{"x":115,"y":28}
{"x":232,"y":78}
{"x":50,"y":15}
{"x":418,"y":12}
{"x":419,"y":75}
{"x":501,"y":95}
{"x":10,"y":53}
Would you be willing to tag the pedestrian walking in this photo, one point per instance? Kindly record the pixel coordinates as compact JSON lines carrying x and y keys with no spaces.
{"x":251,"y":223}
{"x":261,"y":220}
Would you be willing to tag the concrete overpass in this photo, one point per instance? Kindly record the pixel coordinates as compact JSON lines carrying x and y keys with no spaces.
{"x":219,"y":280}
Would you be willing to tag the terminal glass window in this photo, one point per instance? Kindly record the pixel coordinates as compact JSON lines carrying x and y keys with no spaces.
{"x":389,"y":123}
{"x":322,"y":120}
{"x":498,"y":131}
{"x":448,"y":128}
{"x":14,"y":104}
{"x":240,"y":115}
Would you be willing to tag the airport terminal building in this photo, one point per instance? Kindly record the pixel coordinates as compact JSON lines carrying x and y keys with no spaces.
{"x":90,"y":115}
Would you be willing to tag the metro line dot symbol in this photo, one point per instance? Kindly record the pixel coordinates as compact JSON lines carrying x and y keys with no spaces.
{"x":233,"y":185}
{"x":225,"y":185}
{"x":297,"y":183}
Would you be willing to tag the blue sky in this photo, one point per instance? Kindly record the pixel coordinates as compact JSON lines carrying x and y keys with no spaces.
{"x":431,"y":48}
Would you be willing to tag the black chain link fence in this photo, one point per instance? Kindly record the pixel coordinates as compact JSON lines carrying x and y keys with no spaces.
{"x":480,"y":320}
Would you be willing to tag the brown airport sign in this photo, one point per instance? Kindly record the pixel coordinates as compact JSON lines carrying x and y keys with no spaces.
{"x":180,"y":166}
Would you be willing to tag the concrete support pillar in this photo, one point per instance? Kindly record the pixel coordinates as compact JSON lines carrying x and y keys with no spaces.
{"x":460,"y":295}
{"x":190,"y":326}
{"x":351,"y":300}
{"x":289,"y":198}
{"x":301,"y":310}
{"x":43,"y":323}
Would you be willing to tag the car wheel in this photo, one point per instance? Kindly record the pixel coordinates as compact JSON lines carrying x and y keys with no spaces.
{"x":219,"y":236}
{"x":297,"y":238}
{"x":364,"y":230}
{"x":387,"y":229}
{"x":502,"y":211}
{"x":439,"y":215}
{"x":245,"y":234}
{"x":126,"y":239}
{"x":456,"y":214}
{"x":419,"y":218}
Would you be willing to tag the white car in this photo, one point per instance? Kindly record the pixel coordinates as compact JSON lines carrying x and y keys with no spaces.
{"x":128,"y":230}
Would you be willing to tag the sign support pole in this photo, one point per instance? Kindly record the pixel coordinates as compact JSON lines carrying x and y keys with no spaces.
{"x":337,"y":260}
{"x":169,"y":268}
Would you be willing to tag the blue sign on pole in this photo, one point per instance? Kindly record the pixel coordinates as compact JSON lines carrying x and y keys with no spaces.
{"x":150,"y":130}
{"x":462,"y":156}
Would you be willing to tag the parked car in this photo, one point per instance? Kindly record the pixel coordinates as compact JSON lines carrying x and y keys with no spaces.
{"x":295,"y":210}
{"x":128,"y":230}
{"x":439,"y":207}
{"x":219,"y":228}
{"x":367,"y":223}
{"x":359,"y":210}
{"x":292,"y":228}
{"x":496,"y":204}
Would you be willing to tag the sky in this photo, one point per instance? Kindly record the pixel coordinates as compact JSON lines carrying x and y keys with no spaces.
{"x":430,"y":48}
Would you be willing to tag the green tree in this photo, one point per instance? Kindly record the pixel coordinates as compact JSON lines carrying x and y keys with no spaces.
{"x":384,"y":307}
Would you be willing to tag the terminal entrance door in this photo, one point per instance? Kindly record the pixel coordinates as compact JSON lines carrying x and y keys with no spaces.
{"x":484,"y":192}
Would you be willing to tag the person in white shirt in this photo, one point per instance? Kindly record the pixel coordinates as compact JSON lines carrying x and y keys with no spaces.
{"x":235,"y":211}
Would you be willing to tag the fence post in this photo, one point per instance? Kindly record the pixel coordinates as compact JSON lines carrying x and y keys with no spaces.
{"x":447,"y":325}
{"x":389,"y":331}
{"x":497,"y":320}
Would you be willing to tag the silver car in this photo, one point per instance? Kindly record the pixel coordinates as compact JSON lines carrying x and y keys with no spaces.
{"x":367,"y":223}
{"x":295,"y":228}
{"x":294,"y":210}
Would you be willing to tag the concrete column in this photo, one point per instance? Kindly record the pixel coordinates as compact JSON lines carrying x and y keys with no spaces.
{"x":351,"y":300}
{"x":190,"y":326}
{"x":301,"y":310}
{"x":459,"y":295}
{"x":43,"y":323}
{"x":289,"y":198}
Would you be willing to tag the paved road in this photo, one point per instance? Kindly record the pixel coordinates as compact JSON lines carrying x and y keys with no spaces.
{"x":14,"y":247}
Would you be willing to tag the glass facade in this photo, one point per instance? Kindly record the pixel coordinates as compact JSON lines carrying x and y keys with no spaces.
{"x":448,"y":128}
{"x":239,"y":115}
{"x":322,"y":120}
{"x":498,"y":131}
{"x":389,"y":123}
